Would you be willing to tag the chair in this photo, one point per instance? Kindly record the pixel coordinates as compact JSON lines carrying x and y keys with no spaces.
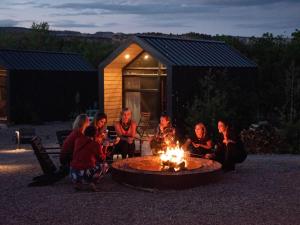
{"x":61,"y":135}
{"x":142,"y":129}
{"x":51,"y":173}
{"x":112,"y":134}
{"x":25,"y":135}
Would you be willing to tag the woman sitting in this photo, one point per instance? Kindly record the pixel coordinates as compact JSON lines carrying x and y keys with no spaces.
{"x":200,"y":144}
{"x":126,"y":131}
{"x":164,"y":135}
{"x":99,"y":123}
{"x":79,"y":126}
{"x":230,"y":149}
{"x":87,"y":165}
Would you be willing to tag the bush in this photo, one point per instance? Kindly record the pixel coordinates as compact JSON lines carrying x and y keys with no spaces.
{"x":262,"y":138}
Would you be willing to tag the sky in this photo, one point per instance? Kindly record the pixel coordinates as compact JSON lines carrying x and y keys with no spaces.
{"x":229,"y":17}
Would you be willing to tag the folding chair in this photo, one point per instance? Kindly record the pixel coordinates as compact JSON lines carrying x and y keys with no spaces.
{"x":142,"y":129}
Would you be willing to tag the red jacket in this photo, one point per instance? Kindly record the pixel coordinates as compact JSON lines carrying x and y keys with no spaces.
{"x":68,"y":146}
{"x":86,"y":153}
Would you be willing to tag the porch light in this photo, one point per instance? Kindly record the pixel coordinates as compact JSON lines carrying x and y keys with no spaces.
{"x":146,"y":57}
{"x":127,"y":56}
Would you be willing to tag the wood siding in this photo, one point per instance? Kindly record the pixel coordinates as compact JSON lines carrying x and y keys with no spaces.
{"x":112,"y":94}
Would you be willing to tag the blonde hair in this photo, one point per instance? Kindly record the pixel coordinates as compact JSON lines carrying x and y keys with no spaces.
{"x":202,"y":126}
{"x":124,"y":110}
{"x":79,"y":121}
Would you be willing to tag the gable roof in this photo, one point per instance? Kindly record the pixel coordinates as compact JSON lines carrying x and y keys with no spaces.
{"x":198,"y":53}
{"x":43,"y":61}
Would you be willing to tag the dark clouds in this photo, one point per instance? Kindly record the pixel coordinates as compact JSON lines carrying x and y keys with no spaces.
{"x":138,"y":9}
{"x":237,"y":17}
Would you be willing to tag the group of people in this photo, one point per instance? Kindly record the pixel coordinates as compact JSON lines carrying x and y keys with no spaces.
{"x":88,"y":148}
{"x":228,"y":148}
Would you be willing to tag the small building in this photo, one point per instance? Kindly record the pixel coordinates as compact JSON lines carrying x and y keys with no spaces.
{"x":150,"y":73}
{"x":44,"y":86}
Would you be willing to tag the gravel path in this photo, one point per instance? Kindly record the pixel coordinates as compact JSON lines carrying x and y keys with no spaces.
{"x":265,"y":189}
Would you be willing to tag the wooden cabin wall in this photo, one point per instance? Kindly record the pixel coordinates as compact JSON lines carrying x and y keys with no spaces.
{"x":112,"y":94}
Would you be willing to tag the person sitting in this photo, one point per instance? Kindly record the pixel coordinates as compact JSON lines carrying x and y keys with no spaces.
{"x":126,"y":131}
{"x":200,"y":143}
{"x":230,"y":149}
{"x":164,"y":135}
{"x":88,"y":163}
{"x":99,"y":122}
{"x":66,"y":153}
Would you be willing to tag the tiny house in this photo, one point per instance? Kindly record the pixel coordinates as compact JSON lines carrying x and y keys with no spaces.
{"x":150,"y":73}
{"x":44,"y":86}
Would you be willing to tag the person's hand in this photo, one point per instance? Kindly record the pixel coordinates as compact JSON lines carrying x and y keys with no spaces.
{"x":196,"y":145}
{"x":106,"y":142}
{"x":225,"y":141}
{"x":208,"y":156}
{"x":117,"y":140}
{"x":130,"y":140}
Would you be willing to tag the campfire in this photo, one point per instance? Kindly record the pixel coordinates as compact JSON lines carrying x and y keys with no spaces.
{"x":173,"y":159}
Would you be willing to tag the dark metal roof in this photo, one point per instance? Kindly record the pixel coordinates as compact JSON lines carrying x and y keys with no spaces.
{"x":42,"y":61}
{"x":198,"y":53}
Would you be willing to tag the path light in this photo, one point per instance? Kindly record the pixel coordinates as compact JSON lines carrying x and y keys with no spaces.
{"x":18,"y":138}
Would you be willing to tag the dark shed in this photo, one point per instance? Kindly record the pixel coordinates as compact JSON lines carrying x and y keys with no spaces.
{"x":156,"y":74}
{"x":44,"y":86}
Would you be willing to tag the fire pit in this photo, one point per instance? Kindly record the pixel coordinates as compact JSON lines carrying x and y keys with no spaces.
{"x":153,"y":172}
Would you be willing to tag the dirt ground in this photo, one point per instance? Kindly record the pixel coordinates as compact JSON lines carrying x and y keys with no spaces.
{"x":265,"y":189}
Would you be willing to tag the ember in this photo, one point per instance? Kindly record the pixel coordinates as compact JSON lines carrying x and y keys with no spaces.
{"x":173,"y":159}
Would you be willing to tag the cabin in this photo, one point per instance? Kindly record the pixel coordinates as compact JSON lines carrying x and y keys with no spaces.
{"x":159,"y":74}
{"x":40,"y":86}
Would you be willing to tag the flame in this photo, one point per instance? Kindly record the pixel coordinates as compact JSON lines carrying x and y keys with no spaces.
{"x":173,"y":158}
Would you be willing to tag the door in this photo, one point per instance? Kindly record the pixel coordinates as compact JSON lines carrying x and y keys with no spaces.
{"x":141,"y":94}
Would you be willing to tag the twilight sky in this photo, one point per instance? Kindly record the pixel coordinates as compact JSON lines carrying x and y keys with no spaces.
{"x":231,"y":17}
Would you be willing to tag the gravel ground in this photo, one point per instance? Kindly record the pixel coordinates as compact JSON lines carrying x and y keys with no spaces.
{"x":265,"y":189}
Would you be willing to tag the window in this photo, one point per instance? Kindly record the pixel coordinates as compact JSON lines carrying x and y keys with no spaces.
{"x":142,"y":84}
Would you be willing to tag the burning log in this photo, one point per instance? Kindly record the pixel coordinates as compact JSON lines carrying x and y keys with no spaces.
{"x":173,"y":159}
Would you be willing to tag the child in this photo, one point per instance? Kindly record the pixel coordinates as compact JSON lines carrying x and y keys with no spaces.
{"x":87,"y":165}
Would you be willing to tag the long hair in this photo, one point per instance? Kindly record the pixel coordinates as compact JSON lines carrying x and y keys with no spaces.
{"x":99,"y":116}
{"x":79,"y":121}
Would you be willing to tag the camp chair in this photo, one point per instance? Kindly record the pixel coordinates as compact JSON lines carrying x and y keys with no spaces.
{"x":61,"y":135}
{"x":51,"y":173}
{"x":25,"y":135}
{"x":142,"y":129}
{"x":112,"y":135}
